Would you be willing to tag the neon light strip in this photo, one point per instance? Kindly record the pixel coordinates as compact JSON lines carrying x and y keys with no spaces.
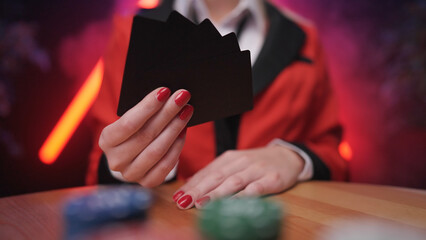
{"x":148,"y":4}
{"x":72,"y":116}
{"x":345,"y":151}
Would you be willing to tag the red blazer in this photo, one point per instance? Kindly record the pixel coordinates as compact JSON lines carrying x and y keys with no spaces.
{"x":293,"y":100}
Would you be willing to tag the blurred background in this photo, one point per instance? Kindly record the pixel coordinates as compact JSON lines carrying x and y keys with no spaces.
{"x":51,"y":51}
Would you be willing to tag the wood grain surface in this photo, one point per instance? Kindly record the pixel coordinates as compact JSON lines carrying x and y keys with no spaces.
{"x":311,"y":209}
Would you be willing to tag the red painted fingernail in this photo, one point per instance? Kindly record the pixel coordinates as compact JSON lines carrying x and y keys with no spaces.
{"x":178,"y":195}
{"x":182,"y":98}
{"x":163,"y":94}
{"x":186,"y":112}
{"x":203,"y":201}
{"x":182,"y":133}
{"x":185,"y":201}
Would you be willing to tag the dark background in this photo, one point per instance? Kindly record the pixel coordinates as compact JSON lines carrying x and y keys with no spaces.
{"x":376,"y":51}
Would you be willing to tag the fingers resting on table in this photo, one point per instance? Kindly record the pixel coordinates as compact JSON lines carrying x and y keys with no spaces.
{"x":239,"y":173}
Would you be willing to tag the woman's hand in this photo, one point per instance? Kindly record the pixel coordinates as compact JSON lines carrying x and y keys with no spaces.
{"x":260,"y":171}
{"x":145,"y":143}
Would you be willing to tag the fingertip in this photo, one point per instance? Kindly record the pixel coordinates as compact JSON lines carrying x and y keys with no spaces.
{"x":182,"y":97}
{"x":177,"y":195}
{"x":186,"y":112}
{"x":163,"y":93}
{"x":185,"y":202}
{"x":184,"y":91}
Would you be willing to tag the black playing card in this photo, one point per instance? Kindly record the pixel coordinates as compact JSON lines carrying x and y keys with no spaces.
{"x":179,"y":54}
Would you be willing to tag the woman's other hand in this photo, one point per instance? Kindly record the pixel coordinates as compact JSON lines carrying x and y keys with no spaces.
{"x":254,"y":172}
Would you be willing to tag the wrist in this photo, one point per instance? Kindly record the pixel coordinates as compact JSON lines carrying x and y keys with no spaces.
{"x":307,"y":171}
{"x":296,"y":162}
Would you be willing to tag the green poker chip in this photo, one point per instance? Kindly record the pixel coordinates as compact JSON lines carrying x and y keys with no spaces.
{"x":241,"y":218}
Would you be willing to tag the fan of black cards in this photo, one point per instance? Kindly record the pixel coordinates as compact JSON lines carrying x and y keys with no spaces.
{"x":179,"y":54}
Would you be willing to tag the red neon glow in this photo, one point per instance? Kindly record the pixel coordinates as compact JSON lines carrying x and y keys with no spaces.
{"x":148,"y":4}
{"x":72,"y":116}
{"x":345,"y":151}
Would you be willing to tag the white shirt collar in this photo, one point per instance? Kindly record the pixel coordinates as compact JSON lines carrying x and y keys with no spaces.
{"x":254,"y":33}
{"x":254,"y":7}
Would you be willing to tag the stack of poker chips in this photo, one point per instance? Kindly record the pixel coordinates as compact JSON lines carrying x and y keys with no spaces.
{"x":110,"y":205}
{"x":241,"y":218}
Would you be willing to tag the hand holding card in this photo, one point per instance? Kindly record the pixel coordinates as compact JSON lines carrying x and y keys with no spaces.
{"x":144,"y":144}
{"x":181,"y":55}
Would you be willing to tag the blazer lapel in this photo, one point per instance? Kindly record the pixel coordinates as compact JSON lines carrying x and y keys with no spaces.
{"x":282,"y":45}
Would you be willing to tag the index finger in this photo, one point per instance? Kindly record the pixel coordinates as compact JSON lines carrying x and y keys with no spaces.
{"x":134,"y":118}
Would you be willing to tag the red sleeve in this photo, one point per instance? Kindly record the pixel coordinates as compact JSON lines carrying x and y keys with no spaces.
{"x":300,"y":107}
{"x":324,"y":131}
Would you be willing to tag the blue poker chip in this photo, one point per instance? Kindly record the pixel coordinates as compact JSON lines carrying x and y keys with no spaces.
{"x":105,"y":206}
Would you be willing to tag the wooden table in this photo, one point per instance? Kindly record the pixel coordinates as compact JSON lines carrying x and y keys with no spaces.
{"x":310,"y":207}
